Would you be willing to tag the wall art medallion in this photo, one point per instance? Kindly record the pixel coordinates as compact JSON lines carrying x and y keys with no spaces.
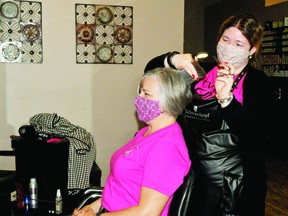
{"x":20,"y":32}
{"x":104,"y":34}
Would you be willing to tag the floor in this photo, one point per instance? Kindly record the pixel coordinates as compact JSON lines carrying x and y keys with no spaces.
{"x":277,"y":194}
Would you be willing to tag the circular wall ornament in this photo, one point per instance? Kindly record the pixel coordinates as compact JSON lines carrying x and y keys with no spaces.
{"x":123,"y":35}
{"x":85,"y":33}
{"x":105,"y":53}
{"x":10,"y":52}
{"x":31,"y":32}
{"x":9,"y":10}
{"x":105,"y":14}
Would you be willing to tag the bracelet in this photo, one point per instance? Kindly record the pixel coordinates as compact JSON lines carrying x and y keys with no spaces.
{"x":225,"y":100}
{"x":169,"y":58}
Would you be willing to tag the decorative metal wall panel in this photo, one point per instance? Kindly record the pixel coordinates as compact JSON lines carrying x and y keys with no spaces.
{"x":104,"y":34}
{"x":21,"y":32}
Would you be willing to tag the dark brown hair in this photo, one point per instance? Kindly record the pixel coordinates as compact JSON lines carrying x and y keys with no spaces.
{"x":250,"y":27}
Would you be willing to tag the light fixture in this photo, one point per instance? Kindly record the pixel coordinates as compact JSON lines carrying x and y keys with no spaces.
{"x":204,"y":57}
{"x":201,"y":55}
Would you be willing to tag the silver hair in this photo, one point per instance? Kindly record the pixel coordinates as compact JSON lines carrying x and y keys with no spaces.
{"x":175,"y":89}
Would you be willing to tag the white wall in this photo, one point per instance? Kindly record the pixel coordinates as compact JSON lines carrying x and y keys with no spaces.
{"x":97,"y":97}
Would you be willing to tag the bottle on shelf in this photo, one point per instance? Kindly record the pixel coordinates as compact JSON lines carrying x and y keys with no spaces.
{"x":58,"y":202}
{"x":33,"y":191}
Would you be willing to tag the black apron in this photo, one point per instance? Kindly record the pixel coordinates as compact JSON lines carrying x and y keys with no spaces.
{"x":215,"y":153}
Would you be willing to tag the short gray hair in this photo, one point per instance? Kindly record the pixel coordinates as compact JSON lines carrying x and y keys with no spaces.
{"x":176,"y":92}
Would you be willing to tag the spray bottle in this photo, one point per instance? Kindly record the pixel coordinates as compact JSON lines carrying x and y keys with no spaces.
{"x":58,"y":202}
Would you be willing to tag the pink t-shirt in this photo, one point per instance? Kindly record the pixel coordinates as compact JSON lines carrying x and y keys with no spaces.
{"x":158,"y":161}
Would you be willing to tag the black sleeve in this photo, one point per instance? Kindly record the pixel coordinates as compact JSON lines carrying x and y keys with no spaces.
{"x":156,"y":62}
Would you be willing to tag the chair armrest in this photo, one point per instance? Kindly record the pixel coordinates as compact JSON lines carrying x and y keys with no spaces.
{"x":92,"y":190}
{"x":89,"y":195}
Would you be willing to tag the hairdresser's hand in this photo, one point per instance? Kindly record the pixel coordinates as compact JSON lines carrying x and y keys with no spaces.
{"x":85,"y":211}
{"x":184,"y":62}
{"x":224,"y":79}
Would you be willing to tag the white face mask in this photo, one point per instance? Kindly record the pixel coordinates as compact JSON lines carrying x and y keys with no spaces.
{"x":236,"y":56}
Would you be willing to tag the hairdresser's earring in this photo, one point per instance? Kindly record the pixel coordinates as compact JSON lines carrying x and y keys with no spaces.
{"x":250,"y":56}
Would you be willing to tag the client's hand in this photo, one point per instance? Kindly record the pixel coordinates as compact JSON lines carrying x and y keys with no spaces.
{"x":85,"y":211}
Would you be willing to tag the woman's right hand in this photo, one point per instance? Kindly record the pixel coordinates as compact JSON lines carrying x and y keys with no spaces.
{"x":184,"y":62}
{"x":85,"y":211}
{"x":88,"y":210}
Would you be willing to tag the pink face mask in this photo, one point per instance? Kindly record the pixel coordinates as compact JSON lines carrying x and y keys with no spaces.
{"x":147,"y":109}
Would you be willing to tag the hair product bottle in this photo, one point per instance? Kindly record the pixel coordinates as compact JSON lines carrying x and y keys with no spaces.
{"x":58,"y":202}
{"x":33,"y":191}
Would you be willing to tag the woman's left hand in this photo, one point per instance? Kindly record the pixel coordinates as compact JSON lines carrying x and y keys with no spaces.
{"x":224,"y":80}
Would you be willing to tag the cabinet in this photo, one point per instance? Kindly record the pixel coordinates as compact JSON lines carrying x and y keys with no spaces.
{"x":274,"y":51}
{"x":48,"y":163}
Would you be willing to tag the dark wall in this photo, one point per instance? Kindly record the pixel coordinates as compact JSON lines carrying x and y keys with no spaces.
{"x":193,"y":26}
{"x":215,"y":14}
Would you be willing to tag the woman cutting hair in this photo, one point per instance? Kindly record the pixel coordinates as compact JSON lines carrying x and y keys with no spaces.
{"x":227,"y":123}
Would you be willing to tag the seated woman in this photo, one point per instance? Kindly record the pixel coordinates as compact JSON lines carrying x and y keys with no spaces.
{"x":147,"y":171}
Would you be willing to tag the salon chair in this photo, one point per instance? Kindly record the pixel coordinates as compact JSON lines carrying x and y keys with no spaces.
{"x":179,"y":204}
